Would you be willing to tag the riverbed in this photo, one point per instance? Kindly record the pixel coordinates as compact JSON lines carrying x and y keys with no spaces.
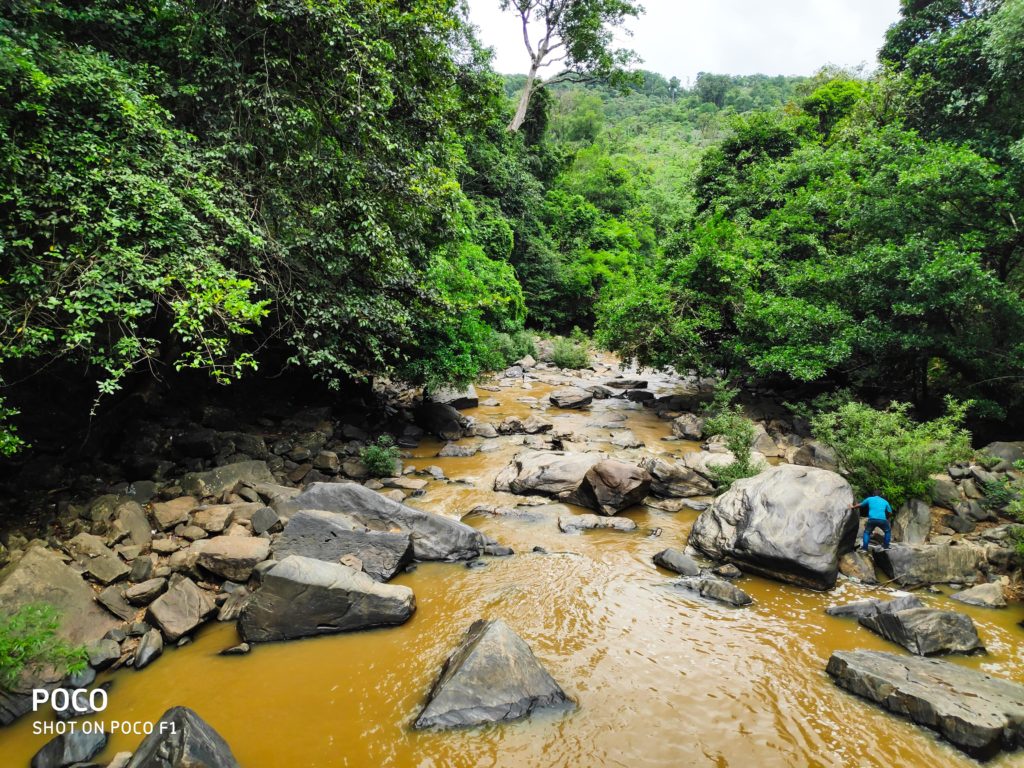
{"x":660,"y":676}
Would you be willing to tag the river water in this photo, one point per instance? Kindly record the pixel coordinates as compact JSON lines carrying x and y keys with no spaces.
{"x":660,"y":676}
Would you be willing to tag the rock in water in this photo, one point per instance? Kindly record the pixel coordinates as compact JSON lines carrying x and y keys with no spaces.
{"x":552,"y":473}
{"x":181,"y":608}
{"x":433,"y":537}
{"x":577,"y":523}
{"x":978,"y":713}
{"x":789,"y":523}
{"x":571,"y":398}
{"x":70,"y":749}
{"x":187,"y":741}
{"x":231,"y":557}
{"x":983,"y":595}
{"x":611,"y":486}
{"x":670,"y":480}
{"x":301,"y":597}
{"x":150,"y":647}
{"x":491,"y":677}
{"x":719,"y":590}
{"x":874,"y":606}
{"x":918,"y":564}
{"x":858,"y":565}
{"x":459,"y":399}
{"x":440,"y":419}
{"x":677,"y":561}
{"x":927,"y":631}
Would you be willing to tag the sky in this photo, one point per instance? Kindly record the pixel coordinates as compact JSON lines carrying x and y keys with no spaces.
{"x":736,"y":37}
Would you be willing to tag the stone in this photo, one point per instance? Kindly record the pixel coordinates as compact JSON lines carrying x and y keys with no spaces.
{"x":705,"y":462}
{"x":98,"y":560}
{"x":611,"y":486}
{"x":182,"y":608}
{"x":69,"y":749}
{"x":330,"y":536}
{"x":689,"y":426}
{"x":452,"y":450}
{"x":113,"y":599}
{"x":639,"y":395}
{"x":672,"y":480}
{"x":534,"y":425}
{"x":150,"y":647}
{"x":301,"y":597}
{"x":220,"y":480}
{"x":764,"y":444}
{"x":213,"y":519}
{"x":550,"y":473}
{"x":624,"y":383}
{"x":874,"y":606}
{"x":491,"y":677}
{"x":103,"y":653}
{"x":912,"y":523}
{"x":677,"y":561}
{"x":980,"y":714}
{"x":440,"y":419}
{"x":526,"y":362}
{"x":578,"y":523}
{"x":626,"y":439}
{"x":572,"y":398}
{"x":926,"y":631}
{"x":231,"y":557}
{"x":483,"y":429}
{"x":718,"y":590}
{"x":858,"y":565}
{"x":815,"y":454}
{"x":231,"y":609}
{"x":265,"y":519}
{"x":327,"y":461}
{"x":142,"y":568}
{"x":182,"y":739}
{"x":945,"y":493}
{"x":983,"y":595}
{"x":791,"y":523}
{"x":174,"y":512}
{"x":434,"y":537}
{"x":727,"y":571}
{"x":460,"y":399}
{"x":921,"y":564}
{"x":1008,"y":452}
{"x":132,"y":519}
{"x":145,"y":592}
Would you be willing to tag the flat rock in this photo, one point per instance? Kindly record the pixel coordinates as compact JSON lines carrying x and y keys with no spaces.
{"x":983,"y":595}
{"x":674,"y":480}
{"x":182,"y":608}
{"x":678,"y":561}
{"x":113,"y":599}
{"x":980,"y":714}
{"x":611,"y":486}
{"x":187,"y":741}
{"x":98,"y":560}
{"x":920,"y":564}
{"x":174,"y":512}
{"x":131,"y":518}
{"x":231,"y":557}
{"x":718,"y":590}
{"x":70,"y":749}
{"x":454,"y":450}
{"x":217,"y":481}
{"x":145,"y":592}
{"x":551,"y":473}
{"x":874,"y":606}
{"x":459,"y":399}
{"x":571,"y":398}
{"x":491,"y":677}
{"x":624,"y":383}
{"x":626,"y":439}
{"x":213,"y":519}
{"x":927,"y":631}
{"x":578,"y":523}
{"x":301,"y":597}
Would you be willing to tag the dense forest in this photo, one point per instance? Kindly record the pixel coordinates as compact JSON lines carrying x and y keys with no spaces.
{"x":333,"y":187}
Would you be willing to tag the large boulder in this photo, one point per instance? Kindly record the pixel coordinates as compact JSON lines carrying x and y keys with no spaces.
{"x":689,"y":426}
{"x":460,"y":399}
{"x":980,"y":714}
{"x":874,"y":606}
{"x":1008,"y":452}
{"x":440,"y":419}
{"x":858,"y":565}
{"x":551,"y":473}
{"x":911,"y":565}
{"x":611,"y":486}
{"x":72,"y":748}
{"x":571,"y":397}
{"x":231,"y":557}
{"x":221,"y":480}
{"x":579,"y":523}
{"x":912,"y":523}
{"x":678,"y":561}
{"x":671,"y":480}
{"x":182,"y":739}
{"x":182,"y":608}
{"x":789,"y":522}
{"x":926,"y":631}
{"x":716,"y":589}
{"x":983,"y":595}
{"x":301,"y":597}
{"x":815,"y":454}
{"x":491,"y":677}
{"x":433,"y":537}
{"x":97,"y":559}
{"x":330,"y":536}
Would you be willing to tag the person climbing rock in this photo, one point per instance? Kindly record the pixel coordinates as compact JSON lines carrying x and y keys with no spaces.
{"x":879,"y":511}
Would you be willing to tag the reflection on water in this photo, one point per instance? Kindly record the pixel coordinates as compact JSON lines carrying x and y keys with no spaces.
{"x":661,"y":677}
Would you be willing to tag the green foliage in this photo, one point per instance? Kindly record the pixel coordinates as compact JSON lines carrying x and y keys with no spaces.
{"x":999,"y":494}
{"x":572,"y":352}
{"x":381,"y":457}
{"x":513,"y":347}
{"x":728,"y":420}
{"x":28,"y":640}
{"x":889,"y":451}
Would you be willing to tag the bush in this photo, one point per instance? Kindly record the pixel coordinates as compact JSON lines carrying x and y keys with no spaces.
{"x":381,"y":457}
{"x":889,"y":451}
{"x":28,"y":639}
{"x":512,"y":347}
{"x":739,"y":434}
{"x":572,"y":352}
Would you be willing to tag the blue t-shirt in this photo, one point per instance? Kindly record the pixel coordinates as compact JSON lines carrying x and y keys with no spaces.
{"x":877,"y":507}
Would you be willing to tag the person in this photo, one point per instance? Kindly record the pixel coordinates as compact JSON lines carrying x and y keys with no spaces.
{"x":879,"y":511}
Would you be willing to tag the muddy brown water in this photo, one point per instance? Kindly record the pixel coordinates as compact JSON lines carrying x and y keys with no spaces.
{"x":660,"y":677}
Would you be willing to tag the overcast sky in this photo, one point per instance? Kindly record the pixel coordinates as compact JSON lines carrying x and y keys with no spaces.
{"x":737,"y":37}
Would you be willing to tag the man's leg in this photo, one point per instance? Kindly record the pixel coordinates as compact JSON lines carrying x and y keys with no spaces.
{"x":887,"y":527}
{"x":868,"y":527}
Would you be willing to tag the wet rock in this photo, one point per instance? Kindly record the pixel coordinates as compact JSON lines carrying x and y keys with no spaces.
{"x":926,"y":631}
{"x":815,"y":454}
{"x":571,"y":398}
{"x":98,"y":560}
{"x":689,"y":426}
{"x":578,"y":523}
{"x":978,"y":713}
{"x":727,"y":571}
{"x":150,"y":647}
{"x":552,"y":473}
{"x":145,"y":592}
{"x":236,"y":650}
{"x":491,"y":677}
{"x":174,"y":512}
{"x":182,"y":608}
{"x":103,"y":653}
{"x":112,"y":598}
{"x":677,"y":561}
{"x":231,"y":557}
{"x":719,"y":590}
{"x":639,"y":395}
{"x":224,"y":479}
{"x":433,"y":537}
{"x":231,"y":609}
{"x":301,"y":597}
{"x":330,"y":536}
{"x":875,"y":606}
{"x":672,"y":480}
{"x":790,"y":523}
{"x":858,"y":565}
{"x":983,"y":595}
{"x":912,"y":523}
{"x":453,"y":450}
{"x":440,"y":419}
{"x":182,"y":739}
{"x":69,"y":749}
{"x":611,"y":486}
{"x":459,"y":399}
{"x":918,"y":564}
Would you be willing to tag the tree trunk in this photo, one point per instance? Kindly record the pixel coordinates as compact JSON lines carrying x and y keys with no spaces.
{"x":524,"y":100}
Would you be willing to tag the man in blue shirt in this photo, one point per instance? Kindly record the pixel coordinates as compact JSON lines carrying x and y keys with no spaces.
{"x":879,"y":510}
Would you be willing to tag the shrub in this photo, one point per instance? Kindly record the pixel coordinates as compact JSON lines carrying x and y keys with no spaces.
{"x":512,"y":347}
{"x":572,"y":352}
{"x":739,"y":434}
{"x":28,"y":639}
{"x":889,"y":451}
{"x":381,"y":457}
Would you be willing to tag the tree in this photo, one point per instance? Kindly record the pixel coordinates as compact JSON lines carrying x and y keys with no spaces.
{"x":576,"y":34}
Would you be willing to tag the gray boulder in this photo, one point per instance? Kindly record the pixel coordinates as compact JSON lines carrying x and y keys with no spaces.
{"x":330,"y":536}
{"x":231,"y":557}
{"x":719,"y":590}
{"x":611,"y":486}
{"x":551,"y":473}
{"x":671,"y":480}
{"x":927,"y":631}
{"x":460,"y":399}
{"x":150,"y":647}
{"x":689,"y":426}
{"x":69,"y":749}
{"x":980,"y":714}
{"x":858,"y":565}
{"x":789,"y":523}
{"x":98,"y":560}
{"x":578,"y":523}
{"x":433,"y":537}
{"x":182,"y":608}
{"x":912,"y":523}
{"x":491,"y":677}
{"x":571,"y":398}
{"x":678,"y":561}
{"x":945,"y":493}
{"x":815,"y":454}
{"x":301,"y":597}
{"x":920,"y":564}
{"x":983,"y":595}
{"x":873,"y":606}
{"x":187,"y":741}
{"x":624,"y":383}
{"x":440,"y":419}
{"x":224,"y":479}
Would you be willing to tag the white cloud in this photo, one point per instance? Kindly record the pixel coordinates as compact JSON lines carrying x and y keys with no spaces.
{"x":684,"y":37}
